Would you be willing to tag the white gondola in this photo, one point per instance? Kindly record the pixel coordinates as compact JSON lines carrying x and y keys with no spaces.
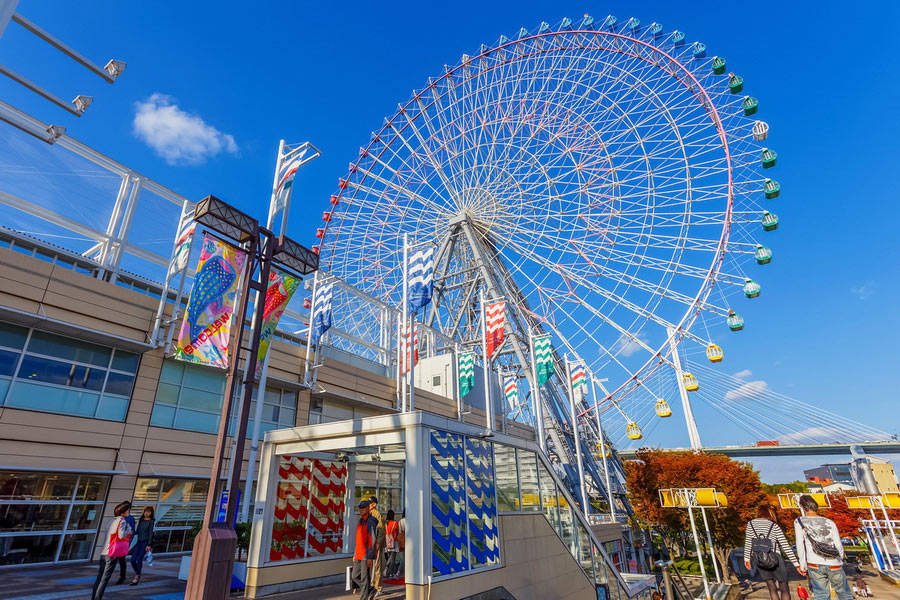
{"x":760,"y":131}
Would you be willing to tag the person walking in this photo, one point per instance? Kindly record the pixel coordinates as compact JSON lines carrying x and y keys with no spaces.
{"x":118,"y":535}
{"x":861,"y":586}
{"x":401,"y":544}
{"x":762,"y":540}
{"x":391,"y":529}
{"x":380,"y":541}
{"x":820,"y":552}
{"x":144,"y":534}
{"x":364,"y":552}
{"x":121,"y":560}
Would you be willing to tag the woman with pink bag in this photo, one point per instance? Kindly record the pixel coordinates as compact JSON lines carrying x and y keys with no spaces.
{"x":118,"y":540}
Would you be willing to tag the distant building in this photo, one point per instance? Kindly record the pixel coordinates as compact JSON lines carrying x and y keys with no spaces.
{"x":830,"y":473}
{"x":872,"y":475}
{"x":831,"y":488}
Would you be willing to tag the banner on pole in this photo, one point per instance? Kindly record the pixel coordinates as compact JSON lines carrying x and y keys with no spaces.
{"x":496,"y":319}
{"x":579,"y":381}
{"x":281,"y":288}
{"x":511,"y":391}
{"x":404,"y":348}
{"x":182,"y":252}
{"x":466,"y":373}
{"x":543,"y":357}
{"x":421,"y":278}
{"x":286,"y":182}
{"x":321,"y":317}
{"x":206,"y":327}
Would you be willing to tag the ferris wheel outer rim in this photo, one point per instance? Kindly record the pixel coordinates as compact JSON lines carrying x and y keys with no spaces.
{"x":692,"y":311}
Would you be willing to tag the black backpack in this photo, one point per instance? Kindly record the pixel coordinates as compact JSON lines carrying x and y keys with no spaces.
{"x":763,"y":550}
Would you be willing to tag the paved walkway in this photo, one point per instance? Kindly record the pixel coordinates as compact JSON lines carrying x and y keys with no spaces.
{"x":756,"y":590}
{"x":158,"y":582}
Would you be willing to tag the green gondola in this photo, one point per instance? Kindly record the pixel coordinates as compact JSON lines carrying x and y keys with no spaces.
{"x":768,"y":158}
{"x":736,"y":84}
{"x":763,"y":254}
{"x":769,"y":221}
{"x":735,"y":321}
{"x":750,"y":105}
{"x":772,"y":188}
{"x":718,"y":65}
{"x":751,"y":288}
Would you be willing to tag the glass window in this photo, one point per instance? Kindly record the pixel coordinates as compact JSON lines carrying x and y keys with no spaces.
{"x":35,"y":368}
{"x":68,"y":349}
{"x":507,"y":478}
{"x":119,"y":384}
{"x":484,"y":535}
{"x":548,"y":496}
{"x":528,"y":480}
{"x":8,"y":361}
{"x":77,"y":546}
{"x":12,"y":336}
{"x":51,"y":399}
{"x":172,"y":372}
{"x":584,"y":551}
{"x":448,"y":511}
{"x":146,"y":490}
{"x":179,"y":504}
{"x":567,"y":524}
{"x":125,"y":361}
{"x":43,"y":514}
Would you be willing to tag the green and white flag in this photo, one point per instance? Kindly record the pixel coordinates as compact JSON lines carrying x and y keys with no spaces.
{"x":543,"y":355}
{"x":511,"y":391}
{"x":466,"y":373}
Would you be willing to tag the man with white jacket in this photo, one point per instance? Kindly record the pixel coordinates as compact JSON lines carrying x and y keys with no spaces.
{"x":820,"y":553}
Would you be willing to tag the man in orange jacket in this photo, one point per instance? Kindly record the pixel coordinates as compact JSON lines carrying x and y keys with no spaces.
{"x":364,"y":552}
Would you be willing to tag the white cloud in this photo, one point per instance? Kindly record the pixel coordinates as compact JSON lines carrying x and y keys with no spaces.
{"x":743,"y":374}
{"x":626,"y":346}
{"x":747,"y":391}
{"x":181,"y":138}
{"x":863,"y":291}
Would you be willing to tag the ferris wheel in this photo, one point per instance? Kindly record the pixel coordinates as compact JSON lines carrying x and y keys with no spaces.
{"x":609,"y":177}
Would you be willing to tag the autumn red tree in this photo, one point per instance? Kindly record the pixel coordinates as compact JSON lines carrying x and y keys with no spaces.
{"x":657,"y":469}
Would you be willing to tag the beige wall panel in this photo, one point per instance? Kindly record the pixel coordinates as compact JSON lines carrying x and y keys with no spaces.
{"x":26,"y":305}
{"x":110,"y":290}
{"x":59,"y":436}
{"x":77,"y":298}
{"x":26,"y":263}
{"x":67,"y":316}
{"x":179,"y":448}
{"x":175,"y":464}
{"x":13,"y":279}
{"x":277,"y":578}
{"x":13,"y":416}
{"x":24,"y":454}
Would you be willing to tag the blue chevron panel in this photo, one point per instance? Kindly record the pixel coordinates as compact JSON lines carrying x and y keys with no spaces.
{"x":449,"y":553}
{"x":484,"y":534}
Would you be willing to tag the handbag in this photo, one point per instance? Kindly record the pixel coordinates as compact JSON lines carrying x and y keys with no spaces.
{"x":119,"y":546}
{"x":823,"y":549}
{"x":802,"y":593}
{"x":763,"y":550}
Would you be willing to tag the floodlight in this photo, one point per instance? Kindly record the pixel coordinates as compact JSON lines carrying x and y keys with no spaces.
{"x":296,"y":256}
{"x":226,"y":219}
{"x":81,"y":102}
{"x":115,"y":68}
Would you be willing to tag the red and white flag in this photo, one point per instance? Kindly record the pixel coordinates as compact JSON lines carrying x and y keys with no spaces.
{"x":404,"y":348}
{"x":495,"y":317}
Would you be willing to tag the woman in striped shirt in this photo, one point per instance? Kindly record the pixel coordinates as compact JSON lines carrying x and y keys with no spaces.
{"x":765,"y":527}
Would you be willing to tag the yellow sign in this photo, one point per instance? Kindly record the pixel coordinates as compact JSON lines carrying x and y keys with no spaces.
{"x":723,"y":501}
{"x":860,"y":503}
{"x":707,"y":497}
{"x":790,"y":500}
{"x":891,"y":500}
{"x":671,"y":499}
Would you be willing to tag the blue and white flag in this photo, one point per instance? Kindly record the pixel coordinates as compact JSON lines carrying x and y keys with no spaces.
{"x":321,"y":317}
{"x":421,"y":278}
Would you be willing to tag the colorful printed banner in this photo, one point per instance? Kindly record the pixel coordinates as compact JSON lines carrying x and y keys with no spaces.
{"x":466,"y":373}
{"x":182,"y":248}
{"x":404,"y":348}
{"x":579,"y":381}
{"x":281,"y":287}
{"x":496,"y":318}
{"x":206,"y":328}
{"x":286,"y":182}
{"x":543,"y":356}
{"x":421,"y":278}
{"x":511,"y":391}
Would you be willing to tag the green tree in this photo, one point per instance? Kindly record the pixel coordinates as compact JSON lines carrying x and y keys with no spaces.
{"x":797,"y":487}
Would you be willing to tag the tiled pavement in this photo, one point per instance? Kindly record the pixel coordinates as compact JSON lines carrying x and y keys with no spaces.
{"x":158,"y":582}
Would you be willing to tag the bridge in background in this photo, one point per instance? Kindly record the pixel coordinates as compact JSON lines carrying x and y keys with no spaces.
{"x":891,"y":447}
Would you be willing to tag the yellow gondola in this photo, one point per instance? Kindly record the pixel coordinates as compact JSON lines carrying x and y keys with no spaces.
{"x":602,"y":451}
{"x":633,"y":431}
{"x":691,"y":383}
{"x":663,"y":409}
{"x":714,"y":353}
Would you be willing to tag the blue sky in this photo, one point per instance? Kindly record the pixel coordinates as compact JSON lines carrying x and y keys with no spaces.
{"x":824,"y":329}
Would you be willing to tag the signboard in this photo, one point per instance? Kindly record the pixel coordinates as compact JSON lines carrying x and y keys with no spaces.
{"x":223,"y":507}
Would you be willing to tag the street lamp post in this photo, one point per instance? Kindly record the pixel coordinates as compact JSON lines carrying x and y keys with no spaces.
{"x":212,"y":559}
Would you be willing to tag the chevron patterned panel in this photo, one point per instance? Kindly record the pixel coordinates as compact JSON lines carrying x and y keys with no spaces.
{"x":484,"y":535}
{"x":448,"y":513}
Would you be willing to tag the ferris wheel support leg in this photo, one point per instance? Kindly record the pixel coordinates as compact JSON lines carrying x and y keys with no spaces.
{"x":693,"y":433}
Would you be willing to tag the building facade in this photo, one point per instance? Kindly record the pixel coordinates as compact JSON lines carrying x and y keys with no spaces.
{"x":830,"y":473}
{"x":92,"y":414}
